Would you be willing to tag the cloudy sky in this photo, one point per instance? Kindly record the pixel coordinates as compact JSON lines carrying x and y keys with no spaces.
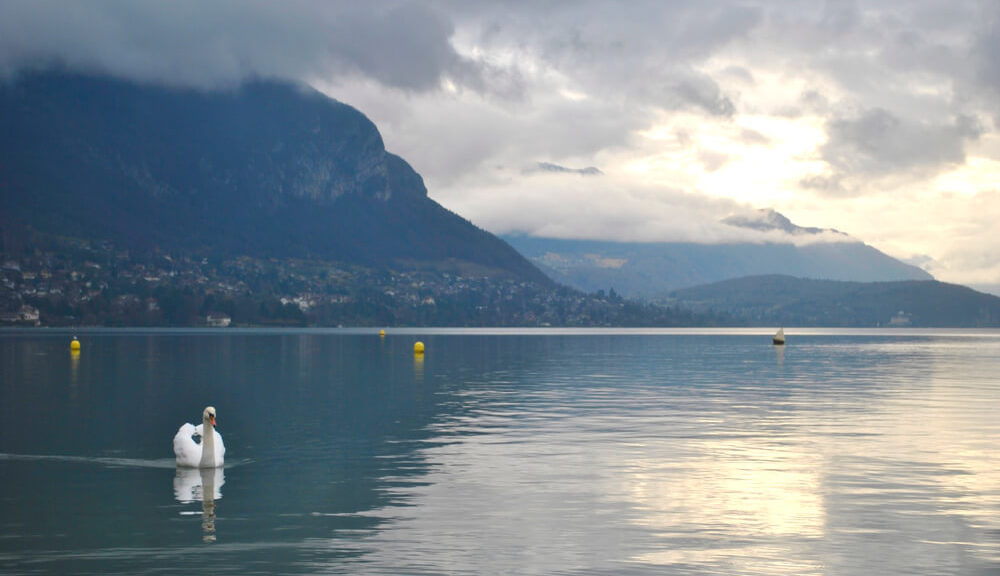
{"x":618,"y":120}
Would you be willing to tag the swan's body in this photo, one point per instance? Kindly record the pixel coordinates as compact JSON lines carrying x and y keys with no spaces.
{"x":209,"y":453}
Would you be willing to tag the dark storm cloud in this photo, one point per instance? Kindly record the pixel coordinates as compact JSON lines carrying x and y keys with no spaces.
{"x":895,"y":88}
{"x":210,"y":44}
{"x":406,"y":46}
{"x":641,"y":52}
{"x":578,"y":32}
{"x":702,"y":92}
{"x":676,"y":90}
{"x":985,"y":53}
{"x":877,"y":142}
{"x":646,"y":53}
{"x":988,"y":47}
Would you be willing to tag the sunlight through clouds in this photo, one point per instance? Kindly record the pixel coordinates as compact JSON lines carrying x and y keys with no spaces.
{"x":876,"y":118}
{"x":978,"y":174}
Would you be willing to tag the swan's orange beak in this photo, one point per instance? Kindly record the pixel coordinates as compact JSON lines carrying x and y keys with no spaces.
{"x":213,"y":420}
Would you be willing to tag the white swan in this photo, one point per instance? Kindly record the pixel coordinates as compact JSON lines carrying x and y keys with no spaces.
{"x":209,"y":452}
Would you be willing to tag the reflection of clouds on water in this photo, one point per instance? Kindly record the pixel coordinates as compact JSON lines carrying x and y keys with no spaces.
{"x":735,"y":488}
{"x":204,"y":485}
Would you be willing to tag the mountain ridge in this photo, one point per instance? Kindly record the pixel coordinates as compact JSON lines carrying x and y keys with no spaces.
{"x":651,"y":270}
{"x":268,"y":168}
{"x":788,"y":301}
{"x":767,"y":219}
{"x":193,"y":181}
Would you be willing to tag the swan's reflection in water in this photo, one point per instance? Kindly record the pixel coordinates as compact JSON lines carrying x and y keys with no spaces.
{"x":205,"y":484}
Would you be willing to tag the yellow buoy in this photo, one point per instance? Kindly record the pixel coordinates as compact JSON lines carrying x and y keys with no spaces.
{"x":418,"y":348}
{"x":74,"y":345}
{"x":381,"y":333}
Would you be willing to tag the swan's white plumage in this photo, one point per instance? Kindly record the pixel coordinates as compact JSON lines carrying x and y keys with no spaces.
{"x":189,"y":453}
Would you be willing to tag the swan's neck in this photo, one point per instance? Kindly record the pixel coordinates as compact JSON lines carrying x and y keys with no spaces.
{"x":207,"y":446}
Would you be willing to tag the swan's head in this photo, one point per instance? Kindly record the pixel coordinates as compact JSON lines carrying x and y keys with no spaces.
{"x":208,"y":417}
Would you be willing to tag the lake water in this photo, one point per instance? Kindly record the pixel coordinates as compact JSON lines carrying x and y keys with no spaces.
{"x":503,"y":452}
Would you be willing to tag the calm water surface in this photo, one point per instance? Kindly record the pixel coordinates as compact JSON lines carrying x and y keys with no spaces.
{"x":531,"y":452}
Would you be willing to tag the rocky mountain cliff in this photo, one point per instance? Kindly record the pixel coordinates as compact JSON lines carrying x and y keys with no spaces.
{"x":267,"y":169}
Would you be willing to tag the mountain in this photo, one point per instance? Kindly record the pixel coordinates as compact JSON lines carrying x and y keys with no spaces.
{"x":652,"y":270}
{"x":268,"y":169}
{"x":784,"y":300}
{"x":765,"y":220}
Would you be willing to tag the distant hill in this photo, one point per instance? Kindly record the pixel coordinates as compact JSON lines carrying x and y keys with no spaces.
{"x":787,"y":301}
{"x":652,"y":270}
{"x":269,"y":170}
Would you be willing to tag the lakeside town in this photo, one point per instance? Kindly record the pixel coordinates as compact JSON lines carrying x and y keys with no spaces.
{"x":73,"y":282}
